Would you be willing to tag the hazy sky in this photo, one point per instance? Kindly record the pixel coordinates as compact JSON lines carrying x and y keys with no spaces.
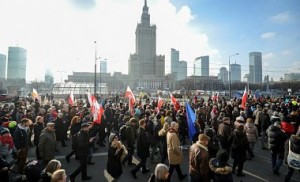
{"x":59,"y":35}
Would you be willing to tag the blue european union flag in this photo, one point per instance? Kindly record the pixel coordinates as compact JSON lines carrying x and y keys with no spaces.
{"x":191,"y":118}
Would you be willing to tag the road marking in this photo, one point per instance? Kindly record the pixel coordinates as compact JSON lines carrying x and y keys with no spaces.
{"x":63,"y":156}
{"x":255,"y":176}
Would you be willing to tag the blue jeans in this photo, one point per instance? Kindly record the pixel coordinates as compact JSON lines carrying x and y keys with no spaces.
{"x":277,"y":159}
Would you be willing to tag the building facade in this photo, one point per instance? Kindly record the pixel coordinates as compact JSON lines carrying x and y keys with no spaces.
{"x":144,"y":62}
{"x":236,"y":73}
{"x":174,"y":62}
{"x":223,"y":75}
{"x":182,"y":70}
{"x":255,"y":67}
{"x":2,"y":66}
{"x":16,"y":66}
{"x":103,"y":66}
{"x":201,"y":66}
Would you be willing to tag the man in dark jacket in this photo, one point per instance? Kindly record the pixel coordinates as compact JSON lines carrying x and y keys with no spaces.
{"x":37,"y":129}
{"x":142,"y":149}
{"x":224,"y":132}
{"x":47,"y":143}
{"x":264,"y":120}
{"x":276,"y":140}
{"x":21,"y":142}
{"x":82,"y":153}
{"x":130,"y":139}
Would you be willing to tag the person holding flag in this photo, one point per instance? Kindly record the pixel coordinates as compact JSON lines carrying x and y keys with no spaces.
{"x":129,"y":94}
{"x":175,"y":103}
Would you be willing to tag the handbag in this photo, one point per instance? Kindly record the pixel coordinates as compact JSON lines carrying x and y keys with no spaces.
{"x":293,"y":159}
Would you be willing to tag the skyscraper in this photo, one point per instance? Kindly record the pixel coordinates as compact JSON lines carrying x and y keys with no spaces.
{"x":16,"y":66}
{"x":201,"y":66}
{"x":182,"y":70}
{"x":145,"y":62}
{"x":236,"y":73}
{"x":103,"y":66}
{"x":255,"y":67}
{"x":223,"y":75}
{"x":174,"y":62}
{"x":2,"y":66}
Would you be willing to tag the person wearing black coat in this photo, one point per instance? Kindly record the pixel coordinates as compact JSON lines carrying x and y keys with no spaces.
{"x":4,"y":175}
{"x":142,"y":149}
{"x":37,"y":129}
{"x":60,"y":130}
{"x":239,"y":145}
{"x":75,"y":128}
{"x":82,"y":152}
{"x":130,"y":134}
{"x":264,"y":120}
{"x":276,"y":140}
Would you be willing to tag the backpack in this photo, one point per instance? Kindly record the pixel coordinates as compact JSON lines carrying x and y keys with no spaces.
{"x":75,"y":141}
{"x":293,"y":159}
{"x":123,"y":132}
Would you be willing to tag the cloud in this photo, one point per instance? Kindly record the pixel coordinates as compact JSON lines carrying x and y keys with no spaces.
{"x":84,"y":4}
{"x":268,"y":56}
{"x":287,"y":53}
{"x":268,"y":35}
{"x":282,"y":18}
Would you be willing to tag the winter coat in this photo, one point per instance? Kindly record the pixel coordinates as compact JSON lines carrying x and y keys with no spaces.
{"x":222,"y":172}
{"x":37,"y":129}
{"x":295,"y":146}
{"x":60,"y":129}
{"x":175,"y":155}
{"x":21,"y":137}
{"x":163,"y":141}
{"x":273,"y":119}
{"x":276,"y":138}
{"x":83,"y":147}
{"x":287,"y":127}
{"x":251,"y":132}
{"x":264,"y":120}
{"x":142,"y":144}
{"x":224,"y":132}
{"x":45,"y":177}
{"x":47,"y":145}
{"x":130,"y":136}
{"x":198,"y":160}
{"x":114,"y":165}
{"x":239,"y":145}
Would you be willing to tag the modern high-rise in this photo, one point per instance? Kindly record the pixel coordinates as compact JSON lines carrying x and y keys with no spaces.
{"x":174,"y":62}
{"x":2,"y":66}
{"x":144,"y":62}
{"x":16,"y":65}
{"x":182,"y":70}
{"x":236,"y":73}
{"x":223,"y":75}
{"x":201,"y":66}
{"x":255,"y":67}
{"x":103,"y":66}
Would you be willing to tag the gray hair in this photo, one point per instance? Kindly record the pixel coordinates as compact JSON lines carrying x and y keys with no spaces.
{"x":160,"y":171}
{"x":173,"y":124}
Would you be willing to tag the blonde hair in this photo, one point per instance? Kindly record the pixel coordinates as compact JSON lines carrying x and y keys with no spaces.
{"x":75,"y":120}
{"x":52,"y":166}
{"x":59,"y":175}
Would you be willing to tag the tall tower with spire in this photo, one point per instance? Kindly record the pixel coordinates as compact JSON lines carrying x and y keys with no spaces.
{"x":144,"y":62}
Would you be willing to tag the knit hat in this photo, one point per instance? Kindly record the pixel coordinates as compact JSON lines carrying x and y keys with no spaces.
{"x":240,"y":118}
{"x":50,"y":123}
{"x":84,"y":125}
{"x":111,"y":137}
{"x":203,"y":137}
{"x":4,"y":130}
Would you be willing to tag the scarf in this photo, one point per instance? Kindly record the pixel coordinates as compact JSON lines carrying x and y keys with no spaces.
{"x":7,"y":140}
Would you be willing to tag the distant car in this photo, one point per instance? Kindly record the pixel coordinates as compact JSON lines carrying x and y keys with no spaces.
{"x":5,"y":98}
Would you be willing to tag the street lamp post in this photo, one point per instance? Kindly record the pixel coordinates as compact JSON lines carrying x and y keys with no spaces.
{"x":95,"y":79}
{"x":230,"y":73}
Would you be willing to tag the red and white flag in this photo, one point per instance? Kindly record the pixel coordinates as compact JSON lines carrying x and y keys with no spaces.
{"x":97,"y":110}
{"x":131,"y":98}
{"x":244,"y":98}
{"x":71,"y":99}
{"x":175,"y":102}
{"x":160,"y":102}
{"x":89,"y":97}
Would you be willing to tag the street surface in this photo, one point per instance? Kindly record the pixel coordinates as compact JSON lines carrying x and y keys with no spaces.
{"x":256,"y":170}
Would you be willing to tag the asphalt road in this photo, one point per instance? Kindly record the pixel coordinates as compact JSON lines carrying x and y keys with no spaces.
{"x":256,"y":170}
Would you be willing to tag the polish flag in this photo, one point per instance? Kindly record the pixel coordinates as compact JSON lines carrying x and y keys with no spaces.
{"x":34,"y":94}
{"x":244,"y":98}
{"x":131,"y":98}
{"x":71,"y":99}
{"x":89,"y":97}
{"x":97,"y":110}
{"x":175,"y":102}
{"x":160,"y":102}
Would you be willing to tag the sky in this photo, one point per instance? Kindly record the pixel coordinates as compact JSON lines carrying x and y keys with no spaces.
{"x":60,"y":35}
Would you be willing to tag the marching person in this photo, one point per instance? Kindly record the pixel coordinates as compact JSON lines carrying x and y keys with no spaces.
{"x":38,"y":127}
{"x":199,"y":160}
{"x":142,"y":149}
{"x":175,"y":155}
{"x":47,"y":143}
{"x":82,"y":151}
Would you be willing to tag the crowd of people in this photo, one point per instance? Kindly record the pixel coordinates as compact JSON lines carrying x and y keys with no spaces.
{"x":224,"y":129}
